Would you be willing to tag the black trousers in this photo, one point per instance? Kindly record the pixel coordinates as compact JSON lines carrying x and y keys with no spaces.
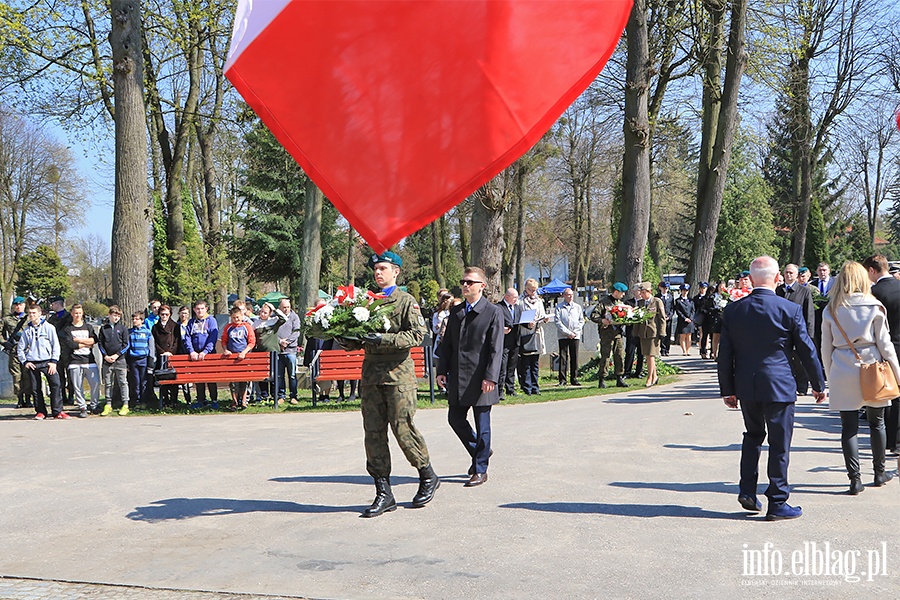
{"x":850,"y":441}
{"x":632,"y":351}
{"x":56,"y":401}
{"x":892,"y":423}
{"x":568,"y":360}
{"x":528,"y":373}
{"x":508,"y":364}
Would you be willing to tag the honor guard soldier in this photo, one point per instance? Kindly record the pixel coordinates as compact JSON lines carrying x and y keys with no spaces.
{"x":612,"y":337}
{"x":388,"y":390}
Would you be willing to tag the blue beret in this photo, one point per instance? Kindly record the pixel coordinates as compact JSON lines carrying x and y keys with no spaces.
{"x":803,"y":270}
{"x":620,"y":287}
{"x":18,"y":300}
{"x":386,"y":257}
{"x":745,"y":274}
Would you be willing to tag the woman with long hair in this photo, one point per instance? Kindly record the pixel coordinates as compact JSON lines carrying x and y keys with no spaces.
{"x":863,"y":318}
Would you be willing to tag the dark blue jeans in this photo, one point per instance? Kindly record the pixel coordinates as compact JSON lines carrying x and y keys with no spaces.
{"x":137,"y":377}
{"x":477,"y":442}
{"x":288,"y":362}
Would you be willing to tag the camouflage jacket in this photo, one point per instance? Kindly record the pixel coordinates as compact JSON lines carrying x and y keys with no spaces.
{"x":389,"y":362}
{"x":599,"y":312}
{"x":10,"y":322}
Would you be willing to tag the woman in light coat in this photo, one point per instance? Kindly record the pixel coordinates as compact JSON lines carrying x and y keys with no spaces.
{"x":650,"y":332}
{"x":864,"y":320}
{"x":531,"y":339}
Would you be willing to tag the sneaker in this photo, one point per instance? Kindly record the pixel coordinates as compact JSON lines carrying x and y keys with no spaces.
{"x":84,"y":414}
{"x":62,"y":415}
{"x":123,"y":411}
{"x":106,"y":410}
{"x":39,"y":417}
{"x":214,"y":405}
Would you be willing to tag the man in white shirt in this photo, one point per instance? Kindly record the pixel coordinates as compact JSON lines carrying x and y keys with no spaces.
{"x":569,"y":318}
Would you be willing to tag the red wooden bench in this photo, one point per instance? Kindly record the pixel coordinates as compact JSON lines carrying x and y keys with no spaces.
{"x":341,"y":365}
{"x":218,"y":368}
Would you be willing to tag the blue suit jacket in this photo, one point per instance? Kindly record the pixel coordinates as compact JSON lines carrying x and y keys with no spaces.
{"x":759,"y":334}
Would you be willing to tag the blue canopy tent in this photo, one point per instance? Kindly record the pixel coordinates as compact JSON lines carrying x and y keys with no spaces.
{"x":554,"y":287}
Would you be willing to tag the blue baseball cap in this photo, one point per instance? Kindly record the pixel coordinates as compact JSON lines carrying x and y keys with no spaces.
{"x":386,"y":257}
{"x":620,"y":287}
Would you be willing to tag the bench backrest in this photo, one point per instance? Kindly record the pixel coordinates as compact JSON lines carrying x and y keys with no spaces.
{"x":340,"y":365}
{"x":218,"y":367}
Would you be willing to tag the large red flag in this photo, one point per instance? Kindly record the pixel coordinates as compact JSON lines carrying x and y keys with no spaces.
{"x":398,"y":110}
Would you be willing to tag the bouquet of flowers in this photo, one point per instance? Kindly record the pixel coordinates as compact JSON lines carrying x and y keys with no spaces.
{"x":623,"y":314}
{"x":720,"y":301}
{"x":819,"y":300}
{"x":738,"y":293}
{"x":349,"y":315}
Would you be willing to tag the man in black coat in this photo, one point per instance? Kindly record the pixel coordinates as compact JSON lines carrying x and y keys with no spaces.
{"x":887,"y":289}
{"x":512,"y":312}
{"x":469,"y":366}
{"x":792,"y":290}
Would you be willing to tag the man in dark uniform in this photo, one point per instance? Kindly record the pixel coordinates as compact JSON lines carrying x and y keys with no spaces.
{"x":60,"y":318}
{"x":669,"y":304}
{"x":512,"y":312}
{"x":12,"y":331}
{"x":792,"y":290}
{"x":612,"y":337}
{"x":388,"y":389}
{"x":887,"y":289}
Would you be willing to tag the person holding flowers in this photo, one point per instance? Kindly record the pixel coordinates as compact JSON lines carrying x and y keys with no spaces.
{"x":649,"y":332}
{"x":388,"y":386}
{"x":612,"y":335}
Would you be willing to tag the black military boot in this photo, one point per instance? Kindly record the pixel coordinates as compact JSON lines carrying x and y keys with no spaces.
{"x":384,"y":499}
{"x":428,"y":483}
{"x":620,"y":381}
{"x":602,"y":383}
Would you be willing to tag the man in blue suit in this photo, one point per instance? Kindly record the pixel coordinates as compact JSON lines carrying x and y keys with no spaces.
{"x":759,"y":334}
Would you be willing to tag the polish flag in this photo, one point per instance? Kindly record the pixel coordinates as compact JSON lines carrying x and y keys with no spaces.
{"x":398,"y":110}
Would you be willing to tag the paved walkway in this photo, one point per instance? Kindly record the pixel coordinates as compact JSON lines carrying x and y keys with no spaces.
{"x":624,"y":496}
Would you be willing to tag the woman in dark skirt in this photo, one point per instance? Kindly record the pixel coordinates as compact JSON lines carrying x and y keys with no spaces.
{"x":715,"y":302}
{"x":684,"y":308}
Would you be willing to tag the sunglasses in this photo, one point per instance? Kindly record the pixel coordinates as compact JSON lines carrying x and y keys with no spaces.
{"x":469,"y":282}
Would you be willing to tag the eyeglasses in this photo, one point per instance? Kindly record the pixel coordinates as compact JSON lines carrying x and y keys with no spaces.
{"x":468,"y":282}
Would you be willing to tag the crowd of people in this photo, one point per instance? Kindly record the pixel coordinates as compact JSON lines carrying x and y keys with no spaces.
{"x":54,"y":353}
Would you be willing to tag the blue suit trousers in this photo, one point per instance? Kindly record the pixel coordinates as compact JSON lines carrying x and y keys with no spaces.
{"x":778,"y":419}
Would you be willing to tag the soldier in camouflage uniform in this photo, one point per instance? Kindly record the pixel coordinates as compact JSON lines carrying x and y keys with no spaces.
{"x":388,"y":390}
{"x":612,"y":337}
{"x":11,"y":332}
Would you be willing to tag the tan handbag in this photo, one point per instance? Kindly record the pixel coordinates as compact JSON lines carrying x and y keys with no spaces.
{"x":876,"y":380}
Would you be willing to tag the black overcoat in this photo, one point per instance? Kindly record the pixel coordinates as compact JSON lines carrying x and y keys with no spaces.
{"x":471,"y":351}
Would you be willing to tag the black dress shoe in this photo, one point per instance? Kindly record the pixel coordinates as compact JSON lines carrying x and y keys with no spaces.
{"x":476,"y":479}
{"x":749,"y":503}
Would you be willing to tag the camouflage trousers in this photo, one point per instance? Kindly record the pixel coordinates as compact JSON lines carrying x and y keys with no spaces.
{"x":616,"y":347}
{"x":394,"y":405}
{"x":21,"y":385}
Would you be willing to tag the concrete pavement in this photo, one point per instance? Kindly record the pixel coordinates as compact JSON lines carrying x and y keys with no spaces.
{"x":621,"y":496}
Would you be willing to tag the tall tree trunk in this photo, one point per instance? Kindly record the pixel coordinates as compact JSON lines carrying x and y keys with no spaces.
{"x":520,"y":231}
{"x":636,"y":163}
{"x":437,"y":259}
{"x":130,"y":230}
{"x":312,"y":246}
{"x":802,"y":128}
{"x":712,"y":174}
{"x":487,"y":235}
{"x":465,"y":247}
{"x":213,"y":238}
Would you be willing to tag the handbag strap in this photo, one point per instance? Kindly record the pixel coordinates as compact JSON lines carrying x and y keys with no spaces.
{"x":844,"y":333}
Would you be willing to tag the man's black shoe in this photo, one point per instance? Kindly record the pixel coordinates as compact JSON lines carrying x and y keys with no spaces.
{"x":749,"y":503}
{"x":620,"y":381}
